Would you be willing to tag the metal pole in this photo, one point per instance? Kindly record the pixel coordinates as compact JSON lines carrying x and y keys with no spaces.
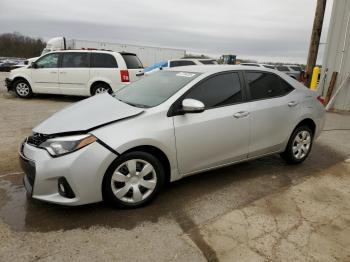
{"x":315,"y":39}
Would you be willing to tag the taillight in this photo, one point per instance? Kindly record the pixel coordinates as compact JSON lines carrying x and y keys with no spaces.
{"x":124,"y":75}
{"x":321,"y":99}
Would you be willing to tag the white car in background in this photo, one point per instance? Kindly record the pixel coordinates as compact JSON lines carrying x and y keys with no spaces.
{"x":76,"y":72}
{"x":179,"y":62}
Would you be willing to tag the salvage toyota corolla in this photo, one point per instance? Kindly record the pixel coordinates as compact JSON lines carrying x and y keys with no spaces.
{"x":124,"y":147}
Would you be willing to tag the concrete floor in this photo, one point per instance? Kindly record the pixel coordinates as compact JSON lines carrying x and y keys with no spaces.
{"x":183,"y":223}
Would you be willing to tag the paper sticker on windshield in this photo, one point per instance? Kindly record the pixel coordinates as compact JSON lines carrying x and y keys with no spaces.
{"x":185,"y":74}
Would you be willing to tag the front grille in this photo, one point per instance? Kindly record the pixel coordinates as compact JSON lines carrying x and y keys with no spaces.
{"x":36,"y":139}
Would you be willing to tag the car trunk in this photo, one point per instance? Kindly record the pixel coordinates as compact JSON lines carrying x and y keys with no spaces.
{"x":134,"y":65}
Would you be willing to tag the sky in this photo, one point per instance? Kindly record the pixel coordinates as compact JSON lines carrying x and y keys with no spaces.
{"x":262,"y":30}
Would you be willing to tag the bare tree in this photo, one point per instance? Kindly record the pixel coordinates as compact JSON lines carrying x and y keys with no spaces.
{"x":18,"y":45}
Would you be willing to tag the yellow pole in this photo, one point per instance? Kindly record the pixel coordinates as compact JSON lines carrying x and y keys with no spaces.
{"x":314,"y":78}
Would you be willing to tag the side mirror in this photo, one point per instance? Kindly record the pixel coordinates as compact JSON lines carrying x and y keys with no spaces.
{"x":34,"y":65}
{"x":192,"y":106}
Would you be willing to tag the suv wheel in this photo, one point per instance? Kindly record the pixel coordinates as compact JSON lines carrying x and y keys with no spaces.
{"x":299,"y":145}
{"x":101,"y":89}
{"x":22,"y":88}
{"x":133,"y":180}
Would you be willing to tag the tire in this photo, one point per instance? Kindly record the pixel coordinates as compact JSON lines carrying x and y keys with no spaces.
{"x":100,"y":89}
{"x":22,"y":88}
{"x":299,"y":145}
{"x":134,"y":188}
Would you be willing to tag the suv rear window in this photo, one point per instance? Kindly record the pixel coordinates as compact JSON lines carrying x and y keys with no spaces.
{"x":102,"y":60}
{"x":132,"y":61}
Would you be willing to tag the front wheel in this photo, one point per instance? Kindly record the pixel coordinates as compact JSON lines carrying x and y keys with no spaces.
{"x":22,"y":89}
{"x":299,"y":145}
{"x":133,"y":180}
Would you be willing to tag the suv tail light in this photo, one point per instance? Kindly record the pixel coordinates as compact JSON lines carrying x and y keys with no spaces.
{"x":124,"y":75}
{"x":321,"y":99}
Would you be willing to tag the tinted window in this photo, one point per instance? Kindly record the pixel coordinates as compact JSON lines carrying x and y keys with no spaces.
{"x":219,"y":90}
{"x":181,"y":63}
{"x":132,"y":61}
{"x":208,"y":62}
{"x":269,"y":66}
{"x":75,"y":60}
{"x":154,"y":89}
{"x":103,"y":60}
{"x":282,"y":68}
{"x":264,"y":85}
{"x":296,"y":68}
{"x":250,"y":65}
{"x":48,"y":61}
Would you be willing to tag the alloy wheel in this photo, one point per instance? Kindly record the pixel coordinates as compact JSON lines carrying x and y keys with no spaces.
{"x":301,"y":144}
{"x":22,"y":89}
{"x":133,"y":181}
{"x":101,"y":90}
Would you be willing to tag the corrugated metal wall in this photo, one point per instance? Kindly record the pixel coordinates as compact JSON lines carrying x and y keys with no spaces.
{"x":333,"y":52}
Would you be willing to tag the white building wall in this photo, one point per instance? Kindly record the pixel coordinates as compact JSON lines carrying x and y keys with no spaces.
{"x":333,"y":53}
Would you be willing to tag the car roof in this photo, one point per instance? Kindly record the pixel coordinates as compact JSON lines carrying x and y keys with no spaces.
{"x":217,"y":68}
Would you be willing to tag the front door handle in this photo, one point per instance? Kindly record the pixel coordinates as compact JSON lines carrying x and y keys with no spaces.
{"x":63,"y":72}
{"x":53,"y":72}
{"x":241,"y":114}
{"x":293,"y":103}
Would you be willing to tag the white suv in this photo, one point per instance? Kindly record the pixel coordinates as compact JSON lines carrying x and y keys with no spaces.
{"x":76,"y":72}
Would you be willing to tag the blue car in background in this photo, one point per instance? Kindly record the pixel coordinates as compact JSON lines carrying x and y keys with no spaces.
{"x":178,"y":62}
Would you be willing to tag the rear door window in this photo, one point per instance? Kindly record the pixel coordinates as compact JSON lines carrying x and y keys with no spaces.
{"x":71,"y":60}
{"x":132,"y":61}
{"x":102,"y":60}
{"x":219,"y":90}
{"x":265,"y":85}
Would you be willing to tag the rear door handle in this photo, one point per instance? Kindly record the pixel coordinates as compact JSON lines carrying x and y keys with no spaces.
{"x":63,"y":72}
{"x":241,"y":114}
{"x":292,"y":103}
{"x":53,"y":72}
{"x":140,"y":74}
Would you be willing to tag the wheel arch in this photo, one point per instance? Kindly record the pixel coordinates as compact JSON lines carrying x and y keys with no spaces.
{"x":155,"y":151}
{"x":158,"y":153}
{"x":97,"y":82}
{"x":307,"y":122}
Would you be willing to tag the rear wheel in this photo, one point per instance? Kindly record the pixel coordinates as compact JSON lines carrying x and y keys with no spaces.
{"x":299,"y":145}
{"x":22,"y":88}
{"x":133,"y":180}
{"x":101,"y":89}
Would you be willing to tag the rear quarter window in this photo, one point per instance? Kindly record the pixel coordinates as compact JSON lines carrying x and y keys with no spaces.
{"x":101,"y":60}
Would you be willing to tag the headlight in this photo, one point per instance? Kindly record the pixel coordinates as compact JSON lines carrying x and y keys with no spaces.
{"x":64,"y":145}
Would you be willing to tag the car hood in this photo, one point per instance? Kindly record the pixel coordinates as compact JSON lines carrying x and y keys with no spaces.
{"x":86,"y":115}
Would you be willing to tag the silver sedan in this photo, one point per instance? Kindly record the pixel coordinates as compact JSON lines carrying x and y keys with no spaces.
{"x":124,"y":147}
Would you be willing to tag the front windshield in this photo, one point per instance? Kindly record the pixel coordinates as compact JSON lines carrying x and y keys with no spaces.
{"x":154,"y":89}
